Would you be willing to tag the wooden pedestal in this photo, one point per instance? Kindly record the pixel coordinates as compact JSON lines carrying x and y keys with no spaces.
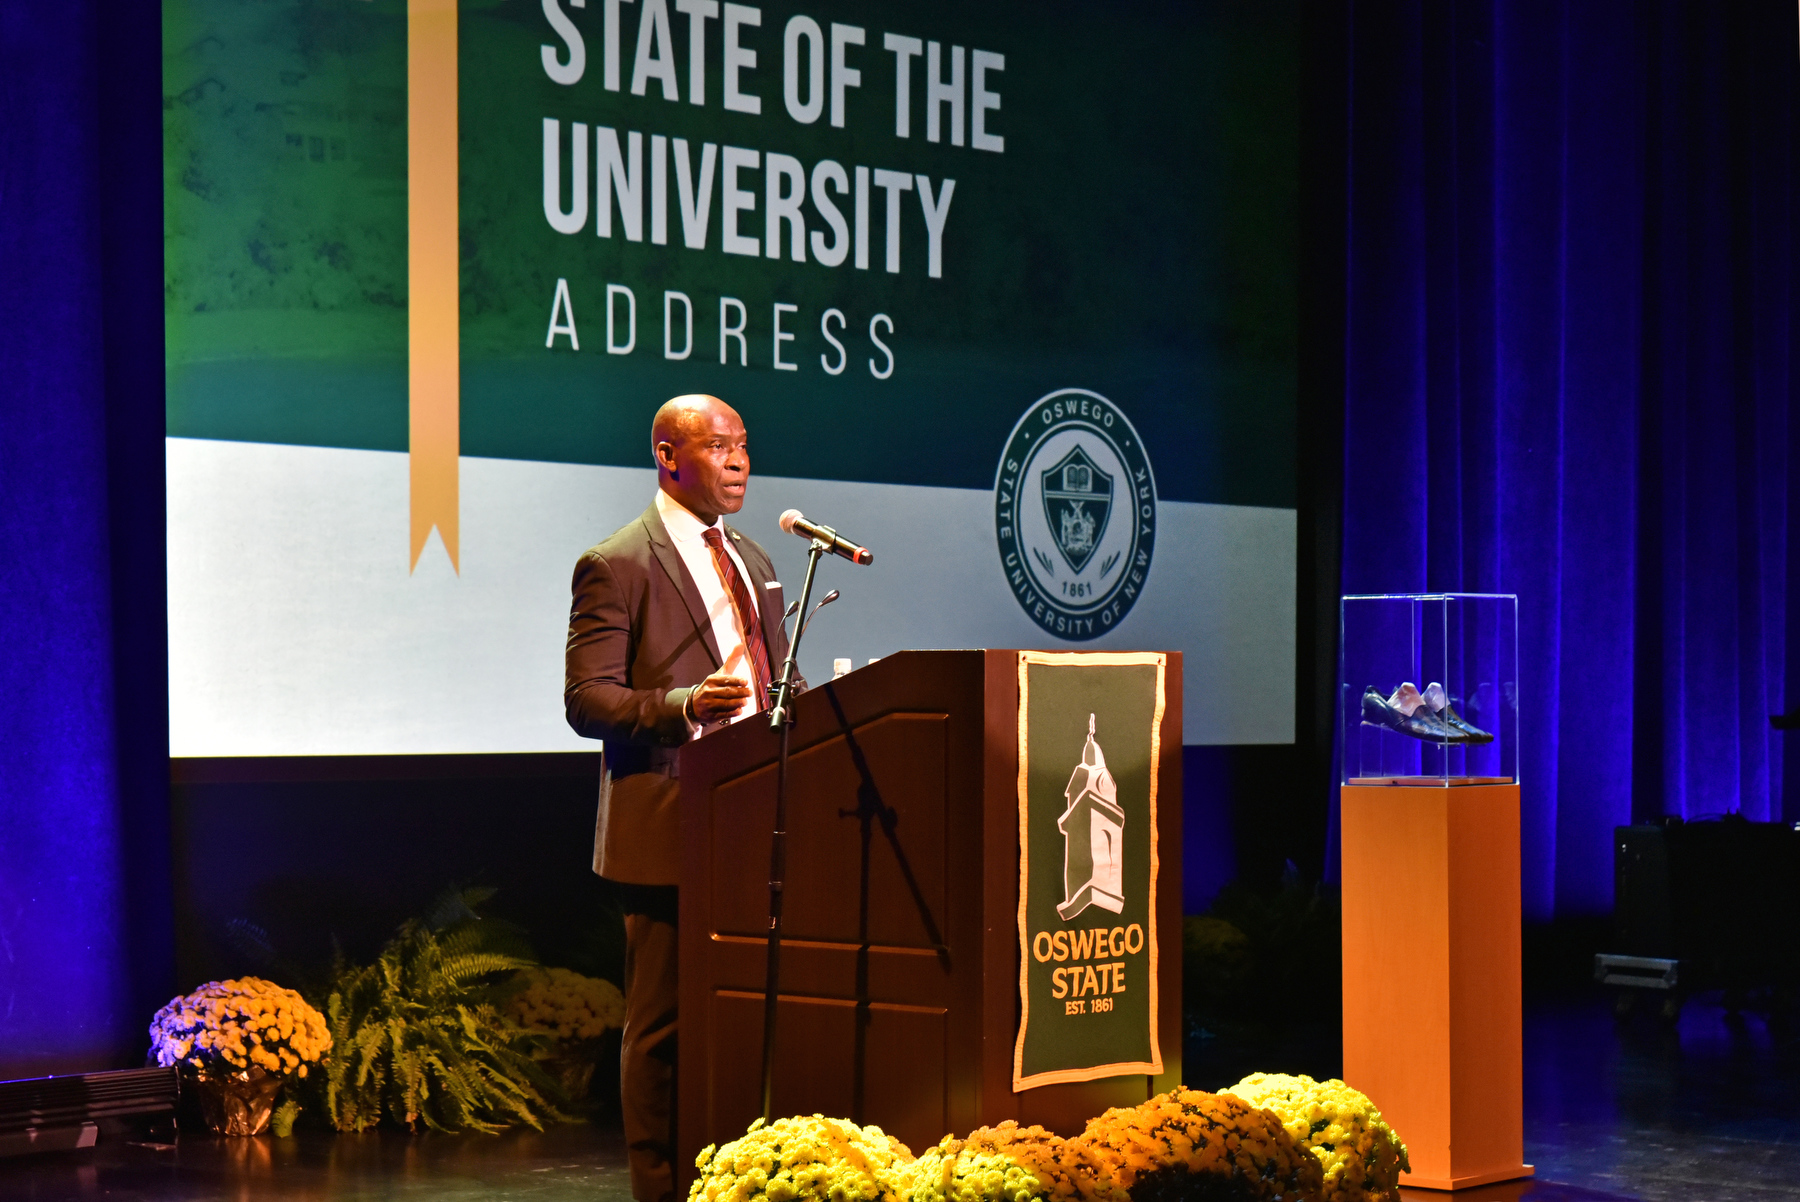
{"x":1432,"y":1024}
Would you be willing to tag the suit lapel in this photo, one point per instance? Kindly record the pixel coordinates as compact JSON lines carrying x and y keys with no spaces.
{"x":663,"y":547}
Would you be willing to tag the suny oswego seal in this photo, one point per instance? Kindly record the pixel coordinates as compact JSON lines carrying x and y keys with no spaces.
{"x":1075,"y":512}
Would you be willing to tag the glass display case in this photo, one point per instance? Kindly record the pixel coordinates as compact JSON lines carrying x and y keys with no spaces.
{"x":1429,"y":691}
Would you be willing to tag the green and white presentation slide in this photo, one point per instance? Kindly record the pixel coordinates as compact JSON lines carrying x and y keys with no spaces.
{"x":1006,"y":293}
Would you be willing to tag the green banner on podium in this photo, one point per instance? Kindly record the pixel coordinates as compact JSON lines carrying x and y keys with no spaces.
{"x":1089,"y":744}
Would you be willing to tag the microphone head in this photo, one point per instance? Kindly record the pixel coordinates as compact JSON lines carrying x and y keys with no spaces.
{"x":829,"y":597}
{"x":786,"y":520}
{"x":864,"y":556}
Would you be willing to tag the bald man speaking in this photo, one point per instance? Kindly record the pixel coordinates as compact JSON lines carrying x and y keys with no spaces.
{"x":675,"y":630}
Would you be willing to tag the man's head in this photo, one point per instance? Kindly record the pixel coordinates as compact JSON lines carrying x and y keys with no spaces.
{"x":702,"y":455}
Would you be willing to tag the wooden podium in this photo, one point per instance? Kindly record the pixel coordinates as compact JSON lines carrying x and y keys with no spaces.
{"x":899,"y":999}
{"x":1432,"y":1023}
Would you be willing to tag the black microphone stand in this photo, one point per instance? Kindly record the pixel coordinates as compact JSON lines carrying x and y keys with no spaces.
{"x":781,"y":717}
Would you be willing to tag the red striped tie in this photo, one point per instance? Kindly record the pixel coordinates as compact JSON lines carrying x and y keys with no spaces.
{"x":745,"y":610}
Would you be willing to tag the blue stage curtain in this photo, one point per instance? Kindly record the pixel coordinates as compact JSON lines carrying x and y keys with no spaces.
{"x":1570,"y":288}
{"x":85,"y":949}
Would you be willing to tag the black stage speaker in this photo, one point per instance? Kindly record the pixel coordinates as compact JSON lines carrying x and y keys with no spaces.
{"x":1718,"y":897}
{"x":1643,"y":923}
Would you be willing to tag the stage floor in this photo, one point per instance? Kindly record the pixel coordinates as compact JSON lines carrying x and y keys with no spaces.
{"x":1706,"y":1111}
{"x":562,"y":1164}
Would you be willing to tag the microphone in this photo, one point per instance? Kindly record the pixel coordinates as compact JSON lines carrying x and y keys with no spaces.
{"x":792,"y":522}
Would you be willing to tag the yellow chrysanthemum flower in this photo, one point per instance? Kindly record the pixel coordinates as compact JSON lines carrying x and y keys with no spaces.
{"x":1155,"y":1144}
{"x":565,"y":1004}
{"x":239,"y":1024}
{"x":805,"y":1156}
{"x":1007,"y":1163}
{"x":1360,"y":1154}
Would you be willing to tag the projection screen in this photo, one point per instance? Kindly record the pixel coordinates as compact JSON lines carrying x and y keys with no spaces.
{"x":1006,"y":292}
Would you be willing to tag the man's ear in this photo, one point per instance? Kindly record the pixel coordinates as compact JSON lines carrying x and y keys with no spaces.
{"x":665,"y":456}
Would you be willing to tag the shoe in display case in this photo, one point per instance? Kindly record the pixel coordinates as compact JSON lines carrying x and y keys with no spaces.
{"x":1429,"y":689}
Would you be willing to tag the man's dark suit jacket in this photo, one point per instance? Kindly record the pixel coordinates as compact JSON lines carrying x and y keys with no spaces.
{"x":639,"y":641}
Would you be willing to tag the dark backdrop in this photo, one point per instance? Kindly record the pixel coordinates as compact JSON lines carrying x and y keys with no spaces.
{"x":1570,"y":287}
{"x":328,"y":855}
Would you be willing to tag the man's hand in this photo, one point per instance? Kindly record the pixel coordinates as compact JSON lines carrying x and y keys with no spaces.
{"x":717,"y":697}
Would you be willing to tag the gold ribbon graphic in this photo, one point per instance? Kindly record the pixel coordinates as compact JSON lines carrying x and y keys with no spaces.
{"x":434,"y":367}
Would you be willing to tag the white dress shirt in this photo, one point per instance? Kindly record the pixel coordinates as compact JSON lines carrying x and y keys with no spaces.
{"x":686,"y":530}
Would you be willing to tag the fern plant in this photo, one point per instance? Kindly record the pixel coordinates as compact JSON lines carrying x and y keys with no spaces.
{"x":416,"y":1036}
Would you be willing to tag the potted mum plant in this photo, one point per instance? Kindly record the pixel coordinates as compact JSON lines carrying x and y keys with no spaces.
{"x":575,"y":1013}
{"x":237,"y":1042}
